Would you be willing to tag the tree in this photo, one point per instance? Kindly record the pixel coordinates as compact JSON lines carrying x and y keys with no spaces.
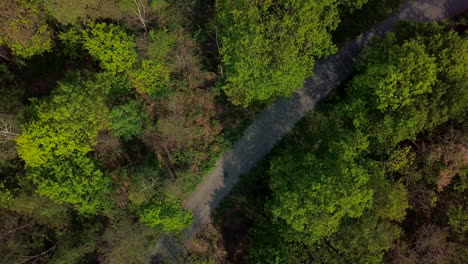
{"x":323,"y":189}
{"x":337,"y":188}
{"x":56,"y":144}
{"x":406,"y":86}
{"x":151,"y":78}
{"x":269,"y":48}
{"x":111,"y":46}
{"x":161,"y":43}
{"x":365,"y":239}
{"x":167,"y":214}
{"x":127,"y":120}
{"x":127,"y":241}
{"x":23,"y":28}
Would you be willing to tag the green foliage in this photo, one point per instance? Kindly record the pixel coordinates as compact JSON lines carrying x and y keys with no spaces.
{"x":354,"y":22}
{"x":117,"y":87}
{"x":151,"y":78}
{"x":69,"y":11}
{"x":166,"y":214}
{"x":56,"y":144}
{"x":128,"y":119}
{"x":458,"y":218}
{"x":162,"y":42}
{"x":400,"y":160}
{"x":269,"y":247}
{"x":111,"y":46}
{"x":397,"y":77}
{"x":76,"y":245}
{"x":72,"y":41}
{"x":365,"y":239}
{"x":145,"y":183}
{"x":23,"y":28}
{"x":334,"y":186}
{"x":106,"y":43}
{"x":323,"y":189}
{"x":127,"y":241}
{"x":269,"y":48}
{"x":6,"y":196}
{"x":405,"y":86}
{"x":357,"y":240}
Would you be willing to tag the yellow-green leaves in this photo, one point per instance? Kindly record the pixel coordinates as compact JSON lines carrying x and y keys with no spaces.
{"x":313,"y":193}
{"x":56,"y":144}
{"x":111,"y":46}
{"x":6,"y":196}
{"x":409,"y":82}
{"x":168,"y":215}
{"x":151,"y":78}
{"x":269,"y":47}
{"x":396,"y":80}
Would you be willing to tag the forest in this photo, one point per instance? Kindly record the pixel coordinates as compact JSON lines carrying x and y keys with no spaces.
{"x":112,"y":112}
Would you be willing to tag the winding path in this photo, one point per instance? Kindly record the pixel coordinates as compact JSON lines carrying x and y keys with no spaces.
{"x":278,"y":119}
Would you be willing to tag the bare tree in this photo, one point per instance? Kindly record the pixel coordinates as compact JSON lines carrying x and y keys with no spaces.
{"x":6,"y":132}
{"x":140,"y":12}
{"x":7,"y":140}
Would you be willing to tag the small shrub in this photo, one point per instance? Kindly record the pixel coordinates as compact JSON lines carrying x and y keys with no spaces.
{"x":166,"y":214}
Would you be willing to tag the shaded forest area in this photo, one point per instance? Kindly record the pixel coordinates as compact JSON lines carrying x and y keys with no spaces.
{"x":112,"y":111}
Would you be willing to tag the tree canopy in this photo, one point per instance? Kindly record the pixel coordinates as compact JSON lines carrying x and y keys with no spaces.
{"x":56,"y":143}
{"x":269,"y":48}
{"x":342,"y":182}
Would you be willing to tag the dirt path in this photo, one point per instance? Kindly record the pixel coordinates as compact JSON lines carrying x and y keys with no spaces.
{"x":278,"y":119}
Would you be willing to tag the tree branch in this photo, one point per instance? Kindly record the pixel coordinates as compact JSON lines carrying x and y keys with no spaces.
{"x":140,"y":12}
{"x":39,"y":255}
{"x":15,"y":229}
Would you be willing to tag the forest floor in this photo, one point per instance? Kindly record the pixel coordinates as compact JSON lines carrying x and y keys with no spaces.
{"x":277,"y":120}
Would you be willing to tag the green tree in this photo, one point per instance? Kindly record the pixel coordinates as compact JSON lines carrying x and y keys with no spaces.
{"x":365,"y":239}
{"x":127,"y":241}
{"x":336,"y":195}
{"x":313,"y":193}
{"x":111,"y":46}
{"x":397,"y":77}
{"x":56,"y":145}
{"x":162,"y":42}
{"x":127,"y":120}
{"x":406,"y":86}
{"x":269,"y":47}
{"x":151,"y":78}
{"x":166,"y":214}
{"x":23,"y":28}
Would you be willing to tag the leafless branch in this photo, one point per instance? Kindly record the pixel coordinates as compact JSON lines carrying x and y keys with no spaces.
{"x":140,"y":12}
{"x":39,"y":256}
{"x":217,"y":45}
{"x":6,"y":129}
{"x":14,"y":229}
{"x":4,"y":57}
